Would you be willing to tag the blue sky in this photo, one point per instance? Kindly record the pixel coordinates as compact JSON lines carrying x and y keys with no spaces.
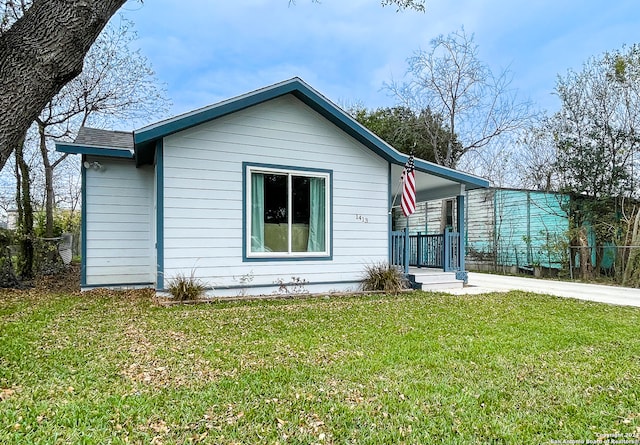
{"x":206,"y":51}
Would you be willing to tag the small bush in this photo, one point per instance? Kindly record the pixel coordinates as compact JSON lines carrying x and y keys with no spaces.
{"x":384,"y":277}
{"x":183,"y":287}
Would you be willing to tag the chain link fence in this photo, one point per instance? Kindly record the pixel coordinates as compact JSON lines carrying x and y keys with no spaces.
{"x":51,"y":256}
{"x":620,"y":264}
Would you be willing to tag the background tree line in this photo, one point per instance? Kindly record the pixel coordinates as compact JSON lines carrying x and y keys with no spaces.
{"x":591,"y":150}
{"x":456,"y":112}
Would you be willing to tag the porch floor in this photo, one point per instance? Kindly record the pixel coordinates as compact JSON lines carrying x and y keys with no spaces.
{"x":434,"y":279}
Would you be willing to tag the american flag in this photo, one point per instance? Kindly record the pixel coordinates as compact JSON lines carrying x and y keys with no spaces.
{"x":409,"y":187}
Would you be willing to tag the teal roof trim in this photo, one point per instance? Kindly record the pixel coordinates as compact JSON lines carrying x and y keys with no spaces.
{"x":145,"y":136}
{"x":471,"y":182}
{"x":197,"y":117}
{"x":93,"y":151}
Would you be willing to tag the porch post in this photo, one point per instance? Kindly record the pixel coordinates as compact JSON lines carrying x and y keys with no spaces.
{"x":406,"y":250}
{"x":419,"y":250}
{"x":446,"y":257}
{"x":462,"y":232}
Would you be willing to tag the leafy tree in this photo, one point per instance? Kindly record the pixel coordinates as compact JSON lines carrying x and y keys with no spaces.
{"x":596,"y":138}
{"x":597,"y":131}
{"x":408,"y":131}
{"x":39,"y":56}
{"x":451,"y":81}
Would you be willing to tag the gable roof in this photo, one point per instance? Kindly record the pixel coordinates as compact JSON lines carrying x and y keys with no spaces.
{"x":143,"y":146}
{"x":146,"y":137}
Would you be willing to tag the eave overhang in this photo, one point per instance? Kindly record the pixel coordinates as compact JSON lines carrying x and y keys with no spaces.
{"x":93,"y":150}
{"x":146,"y":137}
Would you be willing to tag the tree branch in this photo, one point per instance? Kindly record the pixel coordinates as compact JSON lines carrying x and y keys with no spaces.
{"x":39,"y":57}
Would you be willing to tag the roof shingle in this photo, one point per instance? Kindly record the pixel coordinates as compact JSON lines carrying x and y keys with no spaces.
{"x":105,"y":138}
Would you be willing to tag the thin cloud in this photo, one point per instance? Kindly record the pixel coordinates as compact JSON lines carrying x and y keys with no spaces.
{"x":206,"y":51}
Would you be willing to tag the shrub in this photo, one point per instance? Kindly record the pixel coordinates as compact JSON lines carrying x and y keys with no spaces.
{"x":183,"y":287}
{"x":63,"y":221}
{"x":384,"y":277}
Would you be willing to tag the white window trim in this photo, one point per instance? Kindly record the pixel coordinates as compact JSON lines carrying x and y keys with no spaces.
{"x":289,"y":172}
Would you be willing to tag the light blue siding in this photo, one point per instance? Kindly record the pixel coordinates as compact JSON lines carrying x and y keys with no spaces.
{"x":118,"y":219}
{"x":203,"y":196}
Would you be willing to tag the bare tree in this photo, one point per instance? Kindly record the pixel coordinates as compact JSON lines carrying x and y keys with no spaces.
{"x":11,"y":11}
{"x":496,"y":161}
{"x":452,"y":82}
{"x":598,"y":127}
{"x":418,"y":5}
{"x":117,"y":83}
{"x":536,"y":158}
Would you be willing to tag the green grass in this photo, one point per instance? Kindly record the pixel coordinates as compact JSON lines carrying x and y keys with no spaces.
{"x":417,"y":368}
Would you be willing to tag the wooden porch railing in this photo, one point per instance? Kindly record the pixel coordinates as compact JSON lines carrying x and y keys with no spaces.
{"x":420,"y":250}
{"x":400,"y":249}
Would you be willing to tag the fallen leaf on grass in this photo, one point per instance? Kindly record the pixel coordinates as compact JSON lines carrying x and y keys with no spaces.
{"x":197,"y":438}
{"x":5,"y":393}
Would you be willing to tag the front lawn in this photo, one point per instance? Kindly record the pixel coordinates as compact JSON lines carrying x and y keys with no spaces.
{"x":417,"y":368}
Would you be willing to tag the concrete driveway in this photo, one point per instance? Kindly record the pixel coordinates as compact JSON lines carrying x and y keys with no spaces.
{"x":482,"y":283}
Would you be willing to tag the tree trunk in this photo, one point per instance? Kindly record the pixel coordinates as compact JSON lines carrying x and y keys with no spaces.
{"x":26,"y":222}
{"x":631,"y":275}
{"x":586,"y":268}
{"x":18,"y":153}
{"x":41,"y":53}
{"x":48,"y":182}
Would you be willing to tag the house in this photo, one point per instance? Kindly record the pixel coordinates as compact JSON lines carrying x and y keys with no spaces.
{"x":12,"y":219}
{"x":505,"y":229}
{"x":272,"y":189}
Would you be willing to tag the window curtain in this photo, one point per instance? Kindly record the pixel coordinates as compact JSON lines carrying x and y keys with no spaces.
{"x":257,"y":212}
{"x":317,"y":215}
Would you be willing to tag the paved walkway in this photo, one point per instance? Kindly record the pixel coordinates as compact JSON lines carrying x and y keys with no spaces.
{"x":482,"y":283}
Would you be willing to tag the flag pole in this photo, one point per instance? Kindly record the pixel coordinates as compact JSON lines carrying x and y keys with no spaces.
{"x":400,"y":183}
{"x":407,"y":216}
{"x":408,"y":203}
{"x":395,"y":197}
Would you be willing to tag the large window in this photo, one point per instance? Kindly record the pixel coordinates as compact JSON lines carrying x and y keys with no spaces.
{"x":287,"y":213}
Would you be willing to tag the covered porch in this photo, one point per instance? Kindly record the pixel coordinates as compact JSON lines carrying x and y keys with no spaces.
{"x":425,"y":257}
{"x":421,"y":255}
